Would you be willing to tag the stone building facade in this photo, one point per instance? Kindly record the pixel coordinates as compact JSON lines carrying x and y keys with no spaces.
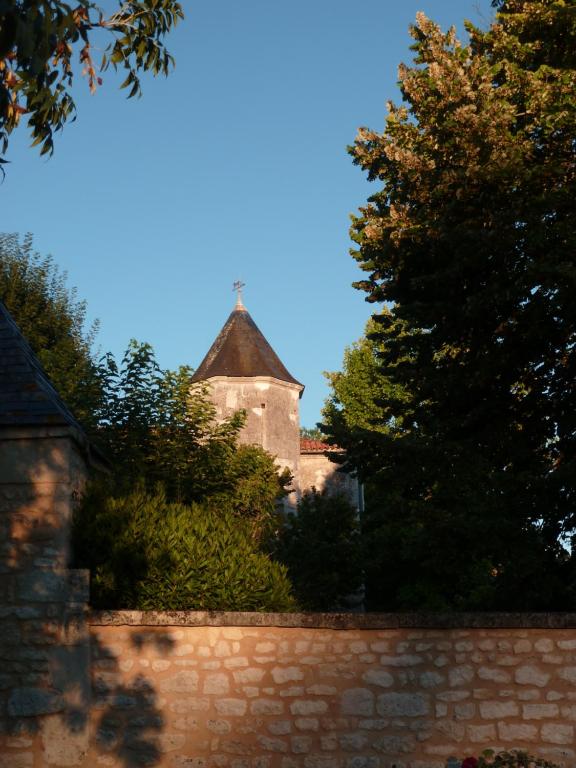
{"x":244,"y":372}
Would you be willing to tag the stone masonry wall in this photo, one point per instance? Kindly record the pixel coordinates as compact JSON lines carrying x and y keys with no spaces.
{"x":275,"y":691}
{"x":44,"y":644}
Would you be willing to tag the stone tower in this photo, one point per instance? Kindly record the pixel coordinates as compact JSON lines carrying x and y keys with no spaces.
{"x":244,"y":372}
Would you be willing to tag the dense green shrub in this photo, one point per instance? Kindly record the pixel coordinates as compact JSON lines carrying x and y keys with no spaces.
{"x":146,"y":553}
{"x":320,"y":545}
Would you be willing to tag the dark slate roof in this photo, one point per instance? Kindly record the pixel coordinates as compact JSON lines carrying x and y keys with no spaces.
{"x":26,"y":395}
{"x":242,"y":350}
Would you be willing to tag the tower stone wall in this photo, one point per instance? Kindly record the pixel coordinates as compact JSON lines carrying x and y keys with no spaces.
{"x":272,"y":413}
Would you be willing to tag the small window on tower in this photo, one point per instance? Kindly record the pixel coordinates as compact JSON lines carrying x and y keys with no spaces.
{"x":262,"y":405}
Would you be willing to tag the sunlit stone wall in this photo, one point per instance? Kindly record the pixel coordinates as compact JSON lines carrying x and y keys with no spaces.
{"x":265,"y":691}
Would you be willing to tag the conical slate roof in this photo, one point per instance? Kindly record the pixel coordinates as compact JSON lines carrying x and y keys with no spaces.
{"x":241,"y":350}
{"x":26,"y":395}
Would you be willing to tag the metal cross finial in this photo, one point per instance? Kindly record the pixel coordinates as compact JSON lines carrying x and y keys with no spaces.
{"x":237,"y":286}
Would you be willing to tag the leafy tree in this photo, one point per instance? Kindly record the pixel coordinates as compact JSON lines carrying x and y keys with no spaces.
{"x":470,"y":241}
{"x":159,"y":428}
{"x":53,"y":321}
{"x":146,"y":553}
{"x":311,"y":433}
{"x":320,"y":545}
{"x":38,"y":41}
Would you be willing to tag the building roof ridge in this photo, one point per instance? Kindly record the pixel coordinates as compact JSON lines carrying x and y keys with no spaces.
{"x":27,"y":396}
{"x":241,"y":350}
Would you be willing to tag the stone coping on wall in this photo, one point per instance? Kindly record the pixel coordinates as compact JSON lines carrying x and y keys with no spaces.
{"x":344,"y":621}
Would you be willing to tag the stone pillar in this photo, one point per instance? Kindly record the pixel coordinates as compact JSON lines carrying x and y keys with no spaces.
{"x":44,"y":645}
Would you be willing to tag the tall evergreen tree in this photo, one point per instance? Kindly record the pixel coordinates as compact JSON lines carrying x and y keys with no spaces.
{"x":53,"y":320}
{"x":471,"y":240}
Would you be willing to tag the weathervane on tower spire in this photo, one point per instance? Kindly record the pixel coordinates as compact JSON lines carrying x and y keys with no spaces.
{"x":237,"y":286}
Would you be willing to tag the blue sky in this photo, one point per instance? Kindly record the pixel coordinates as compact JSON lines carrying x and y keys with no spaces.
{"x":234,"y":167}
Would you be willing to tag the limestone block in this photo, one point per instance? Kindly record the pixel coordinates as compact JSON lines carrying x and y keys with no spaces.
{"x":13,"y":760}
{"x":231,"y":707}
{"x":265,"y":647}
{"x":517,"y":732}
{"x":479,"y":734}
{"x":556,"y":733}
{"x":180,"y":723}
{"x":189,"y":704}
{"x":219,"y":726}
{"x":568,"y":673}
{"x":454,"y":731}
{"x":555,"y":696}
{"x":403,"y":704}
{"x":465,"y":710}
{"x":378,"y":677}
{"x":461,"y":675}
{"x":358,"y":701}
{"x":431,"y":679}
{"x":568,"y":712}
{"x":322,"y":690}
{"x":294,"y":690}
{"x":544,"y":645}
{"x":250,"y":675}
{"x":235,"y":662}
{"x":222,"y":649}
{"x":353,"y":742}
{"x":329,"y":741}
{"x":234,"y":747}
{"x":171,"y":742}
{"x":539,"y":711}
{"x":358,"y":646}
{"x":183,"y":682}
{"x":495,"y":674}
{"x":300,"y":744}
{"x":266,"y":707}
{"x":531,"y":675}
{"x":321,"y":761}
{"x":272,"y":745}
{"x":359,"y":761}
{"x":393,"y":744}
{"x":280,"y":727}
{"x":522,"y":646}
{"x":307,"y":707}
{"x":307,"y":723}
{"x":567,"y":645}
{"x":496,"y":710}
{"x":286,"y":674}
{"x":402,"y":660}
{"x":216,"y":684}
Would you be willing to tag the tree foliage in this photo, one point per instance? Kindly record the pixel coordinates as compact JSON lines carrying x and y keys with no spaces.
{"x":53,"y":320}
{"x":146,"y":553}
{"x":320,"y":545}
{"x":159,"y":428}
{"x":311,"y":433}
{"x":470,"y":241}
{"x":38,"y":44}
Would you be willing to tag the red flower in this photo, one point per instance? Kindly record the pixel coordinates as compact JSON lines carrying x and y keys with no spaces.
{"x":469,"y":762}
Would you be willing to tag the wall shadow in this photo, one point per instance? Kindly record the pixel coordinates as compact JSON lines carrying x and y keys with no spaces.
{"x":63,"y":695}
